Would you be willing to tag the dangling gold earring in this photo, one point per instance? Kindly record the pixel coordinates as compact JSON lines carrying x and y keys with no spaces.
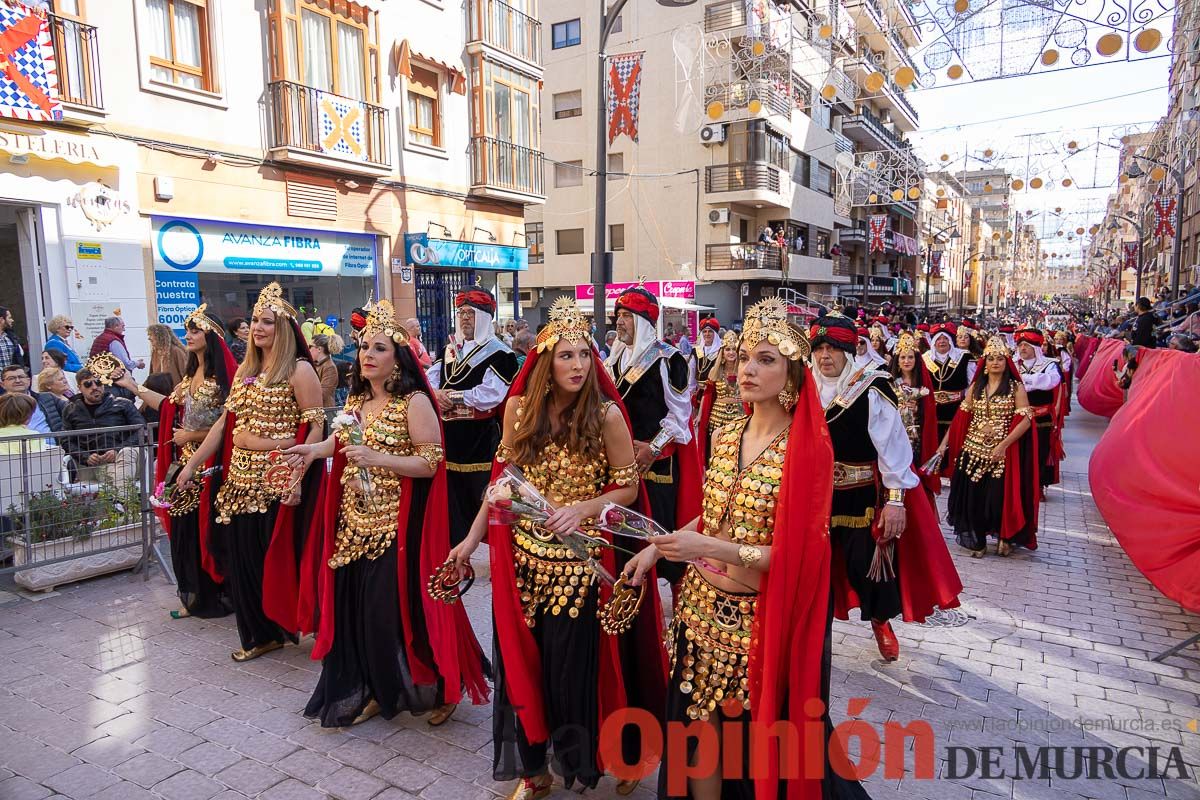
{"x":787,"y":397}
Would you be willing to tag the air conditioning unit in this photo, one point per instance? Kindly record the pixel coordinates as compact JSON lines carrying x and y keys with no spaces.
{"x":718,"y":216}
{"x":712,"y":134}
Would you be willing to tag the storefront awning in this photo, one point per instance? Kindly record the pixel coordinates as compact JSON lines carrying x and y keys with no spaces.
{"x":53,"y":145}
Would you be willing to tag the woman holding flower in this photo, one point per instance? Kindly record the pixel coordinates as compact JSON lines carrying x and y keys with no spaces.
{"x":558,"y":673}
{"x":385,"y":645}
{"x":274,"y":403}
{"x":185,"y":417}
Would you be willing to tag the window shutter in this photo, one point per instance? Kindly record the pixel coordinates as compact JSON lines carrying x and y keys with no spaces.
{"x":312,"y":200}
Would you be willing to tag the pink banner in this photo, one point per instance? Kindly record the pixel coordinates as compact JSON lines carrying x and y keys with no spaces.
{"x":680,"y":290}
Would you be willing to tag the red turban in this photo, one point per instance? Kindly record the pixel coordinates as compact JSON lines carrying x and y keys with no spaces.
{"x":1031,"y":335}
{"x":476,"y":298}
{"x":639,"y":301}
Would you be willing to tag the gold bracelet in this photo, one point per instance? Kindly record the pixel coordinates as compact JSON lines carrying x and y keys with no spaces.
{"x":749,"y":555}
{"x":313,"y":416}
{"x":896,"y":496}
{"x":432,"y":453}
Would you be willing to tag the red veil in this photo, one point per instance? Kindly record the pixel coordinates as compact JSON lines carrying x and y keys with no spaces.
{"x":788,"y":639}
{"x":1021,"y":488}
{"x":226,"y":367}
{"x":453,"y":649}
{"x":519,"y":651}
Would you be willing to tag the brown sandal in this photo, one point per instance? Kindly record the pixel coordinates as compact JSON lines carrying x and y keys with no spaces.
{"x":441,"y":715}
{"x":369,"y":710}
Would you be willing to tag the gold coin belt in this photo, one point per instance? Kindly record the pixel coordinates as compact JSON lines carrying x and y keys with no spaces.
{"x":245,"y":491}
{"x":990,"y":422}
{"x":716,"y":651}
{"x":185,"y":502}
{"x":550,"y":579}
{"x":728,"y":406}
{"x":746,"y":498}
{"x":268,"y":411}
{"x":367,"y":524}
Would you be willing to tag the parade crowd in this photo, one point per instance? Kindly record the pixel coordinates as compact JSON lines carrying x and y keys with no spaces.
{"x":775,"y":476}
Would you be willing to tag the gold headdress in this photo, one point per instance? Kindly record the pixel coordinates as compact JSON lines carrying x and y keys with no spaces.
{"x":381,"y":318}
{"x":200,"y":319}
{"x":767,"y":319}
{"x":566,"y":322}
{"x":997,"y":346}
{"x":730,"y":339}
{"x":105,"y":366}
{"x":271,"y":299}
{"x":906,"y":344}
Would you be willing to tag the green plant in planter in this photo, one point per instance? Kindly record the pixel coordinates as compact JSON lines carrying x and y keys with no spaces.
{"x":53,"y":516}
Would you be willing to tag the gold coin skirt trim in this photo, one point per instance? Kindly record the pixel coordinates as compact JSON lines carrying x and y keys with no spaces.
{"x":245,"y":490}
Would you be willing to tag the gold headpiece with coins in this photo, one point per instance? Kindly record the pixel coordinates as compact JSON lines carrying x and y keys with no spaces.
{"x":566,"y":322}
{"x":271,"y":299}
{"x":200,"y":319}
{"x":906,"y":344}
{"x":767,"y":319}
{"x":381,"y":318}
{"x":997,"y":346}
{"x":105,"y":366}
{"x":730,"y":339}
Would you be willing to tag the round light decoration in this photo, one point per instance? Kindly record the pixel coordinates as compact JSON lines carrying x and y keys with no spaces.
{"x":758,"y":48}
{"x":1109,"y":44}
{"x":1072,"y":145}
{"x":905,"y":77}
{"x":987,"y":188}
{"x":1079,"y":230}
{"x":874,"y":82}
{"x":874,"y":198}
{"x":988,"y":153}
{"x":1050,"y":57}
{"x":1060,"y":233}
{"x":1058,"y":209}
{"x":1018,"y":185}
{"x":1147,"y":40}
{"x":1157,"y":173}
{"x":825,"y":31}
{"x":897,"y":195}
{"x":1094,"y":230}
{"x":1067,"y":182}
{"x":941,"y":192}
{"x":1036,"y":183}
{"x":1008,"y":234}
{"x":914,"y":192}
{"x":716,"y":110}
{"x":945,"y":157}
{"x":828,"y":91}
{"x":872,"y":165}
{"x":755,"y":106}
{"x":961,"y":6}
{"x":996,"y":236}
{"x":955,"y":72}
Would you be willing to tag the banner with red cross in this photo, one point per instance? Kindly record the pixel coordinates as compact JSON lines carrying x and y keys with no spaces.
{"x":624,"y":95}
{"x":1130,"y":250}
{"x":878,"y":227}
{"x":1164,"y":209}
{"x":28,"y":71}
{"x":935,"y":264}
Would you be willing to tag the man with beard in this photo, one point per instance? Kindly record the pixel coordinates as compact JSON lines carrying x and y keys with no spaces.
{"x":470,"y":381}
{"x":952,"y":369}
{"x":1041,"y":376}
{"x":655,"y":384}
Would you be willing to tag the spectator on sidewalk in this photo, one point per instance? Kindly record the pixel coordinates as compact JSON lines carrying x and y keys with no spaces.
{"x":16,"y":411}
{"x":239,"y":334}
{"x":322,"y":348}
{"x":105,"y":455}
{"x":54,"y":381}
{"x":1143,"y":324}
{"x":167,"y":354}
{"x":11,"y":351}
{"x":62,"y":330}
{"x":48,"y":414}
{"x":112,"y":340}
{"x":522,"y":341}
{"x":413,"y":326}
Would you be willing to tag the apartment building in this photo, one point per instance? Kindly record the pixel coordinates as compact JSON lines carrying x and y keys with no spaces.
{"x":206,"y":147}
{"x":735,"y":135}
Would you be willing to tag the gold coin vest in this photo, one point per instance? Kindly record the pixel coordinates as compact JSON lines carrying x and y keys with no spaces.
{"x":717,"y":624}
{"x":367,"y":524}
{"x":727,"y":407}
{"x":990,"y":423}
{"x":269,"y":411}
{"x":550,"y":579}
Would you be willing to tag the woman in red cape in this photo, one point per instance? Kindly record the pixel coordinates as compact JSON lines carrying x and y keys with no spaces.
{"x":382,"y":540}
{"x":994,"y":487}
{"x":765,"y":579}
{"x":720,"y":403}
{"x":557,"y":674}
{"x":911,"y":376}
{"x":185,"y":417}
{"x":274,"y":403}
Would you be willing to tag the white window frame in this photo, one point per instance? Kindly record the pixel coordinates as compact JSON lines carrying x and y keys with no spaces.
{"x":216,"y":42}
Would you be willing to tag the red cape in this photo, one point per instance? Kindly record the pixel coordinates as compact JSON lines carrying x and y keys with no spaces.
{"x":929,"y":429}
{"x":1144,"y":475}
{"x":1098,"y":389}
{"x":518,"y":650}
{"x":457,"y":657}
{"x":166,"y":454}
{"x":707,"y":400}
{"x":1085,"y":351}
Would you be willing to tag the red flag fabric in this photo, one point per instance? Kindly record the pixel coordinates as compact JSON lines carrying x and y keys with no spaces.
{"x":878,"y":225}
{"x":1144,"y":482}
{"x":1164,"y":210}
{"x":1098,"y":389}
{"x":1085,"y":349}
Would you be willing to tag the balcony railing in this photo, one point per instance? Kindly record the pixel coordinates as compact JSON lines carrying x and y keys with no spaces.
{"x":841,"y":266}
{"x":901,"y":48}
{"x":873,"y":9}
{"x":865,"y":119}
{"x":842,"y":143}
{"x":77,"y":51}
{"x":505,"y":28}
{"x":741,"y":178}
{"x":742,"y":95}
{"x":294,"y":118}
{"x":498,"y":164}
{"x":743,"y":255}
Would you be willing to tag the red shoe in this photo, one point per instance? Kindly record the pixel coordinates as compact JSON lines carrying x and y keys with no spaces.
{"x":889,"y":648}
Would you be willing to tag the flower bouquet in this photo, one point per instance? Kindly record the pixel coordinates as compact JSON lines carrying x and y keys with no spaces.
{"x":932,"y":466}
{"x":166,"y":492}
{"x":348,"y":423}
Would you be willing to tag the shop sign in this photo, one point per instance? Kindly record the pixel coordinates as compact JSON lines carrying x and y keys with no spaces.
{"x":51,"y":145}
{"x":177,"y":294}
{"x":195,"y":245}
{"x":682,"y":290}
{"x":421,"y":251}
{"x":89,"y":251}
{"x":100,"y":204}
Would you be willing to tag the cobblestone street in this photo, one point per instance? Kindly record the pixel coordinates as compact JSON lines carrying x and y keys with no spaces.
{"x":103,"y":696}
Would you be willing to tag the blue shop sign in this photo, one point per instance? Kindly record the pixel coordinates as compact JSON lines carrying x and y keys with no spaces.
{"x":421,"y":251}
{"x":177,"y":294}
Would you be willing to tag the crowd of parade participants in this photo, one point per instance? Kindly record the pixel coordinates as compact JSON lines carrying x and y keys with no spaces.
{"x":768,"y":481}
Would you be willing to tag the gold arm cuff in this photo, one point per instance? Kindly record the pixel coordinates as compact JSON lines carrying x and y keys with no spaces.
{"x":749,"y":555}
{"x":503,"y":453}
{"x":895,"y":496}
{"x":313,"y":416}
{"x":625,"y":476}
{"x":432,"y":453}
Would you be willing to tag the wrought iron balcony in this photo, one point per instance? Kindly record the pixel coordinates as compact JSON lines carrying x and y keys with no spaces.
{"x":299,"y":119}
{"x":77,"y":51}
{"x":748,"y":97}
{"x":741,"y":178}
{"x":499,"y":25}
{"x":503,"y":169}
{"x":743,"y":256}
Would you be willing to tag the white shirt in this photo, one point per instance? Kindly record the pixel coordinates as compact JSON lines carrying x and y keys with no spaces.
{"x":886,"y":430}
{"x":1037,"y":374}
{"x":490,"y":392}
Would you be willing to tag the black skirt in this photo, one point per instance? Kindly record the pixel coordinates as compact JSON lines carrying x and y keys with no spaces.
{"x":368,"y":659}
{"x":877,"y":600}
{"x":245,"y":540}
{"x":569,"y":649}
{"x":833,"y":786}
{"x":198,"y":592}
{"x":975,"y":508}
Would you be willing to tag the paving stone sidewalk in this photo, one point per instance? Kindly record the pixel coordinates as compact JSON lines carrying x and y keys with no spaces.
{"x":103,"y":696}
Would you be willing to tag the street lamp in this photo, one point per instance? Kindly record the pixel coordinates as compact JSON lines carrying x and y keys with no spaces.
{"x":1135,"y":171}
{"x":602,"y":257}
{"x":1116,"y":226}
{"x":954,"y":234}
